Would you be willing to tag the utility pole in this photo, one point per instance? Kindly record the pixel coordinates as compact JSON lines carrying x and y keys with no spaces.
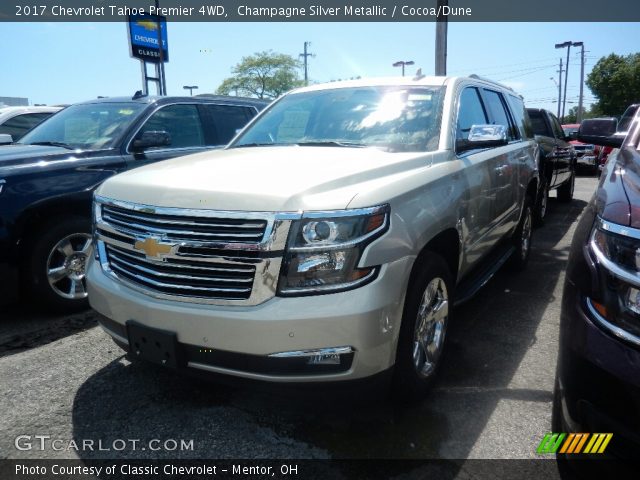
{"x":441,"y":40}
{"x":566,"y":45}
{"x":581,"y":45}
{"x":559,"y":83}
{"x":306,"y":55}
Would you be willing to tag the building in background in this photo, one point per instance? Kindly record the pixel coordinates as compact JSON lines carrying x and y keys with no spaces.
{"x":14,"y":102}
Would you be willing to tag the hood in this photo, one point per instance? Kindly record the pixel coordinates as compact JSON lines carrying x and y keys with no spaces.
{"x":289,"y":178}
{"x":618,"y":194}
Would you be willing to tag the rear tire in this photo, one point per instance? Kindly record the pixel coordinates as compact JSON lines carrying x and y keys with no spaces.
{"x":541,"y":206}
{"x":55,"y":269}
{"x":565,"y":192}
{"x":423,"y":330}
{"x":522,"y":238}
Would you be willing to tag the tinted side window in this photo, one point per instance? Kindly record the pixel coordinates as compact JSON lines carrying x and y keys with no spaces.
{"x":227,"y":119}
{"x":21,"y":124}
{"x":499,"y":114}
{"x":555,"y":125}
{"x":182,"y":122}
{"x":520,"y":116}
{"x":470,"y":112}
{"x":538,"y":124}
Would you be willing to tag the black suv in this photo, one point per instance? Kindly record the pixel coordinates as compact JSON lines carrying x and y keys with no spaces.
{"x":47,"y":180}
{"x":598,"y":377}
{"x":557,"y":159}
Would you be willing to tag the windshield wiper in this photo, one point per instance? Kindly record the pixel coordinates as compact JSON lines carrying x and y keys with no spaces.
{"x":331,"y":143}
{"x":270,"y":144}
{"x":54,"y":144}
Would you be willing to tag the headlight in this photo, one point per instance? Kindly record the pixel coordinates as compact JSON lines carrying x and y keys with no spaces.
{"x":324,"y":249}
{"x":617,"y":250}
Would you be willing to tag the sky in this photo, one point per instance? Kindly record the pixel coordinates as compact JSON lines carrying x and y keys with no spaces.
{"x":54,"y":63}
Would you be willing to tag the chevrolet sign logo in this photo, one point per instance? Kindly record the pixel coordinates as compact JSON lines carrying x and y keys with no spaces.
{"x":153,"y":248}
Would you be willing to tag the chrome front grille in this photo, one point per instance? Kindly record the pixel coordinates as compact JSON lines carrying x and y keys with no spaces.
{"x":194,"y":255}
{"x":174,"y":227}
{"x":207,"y":280}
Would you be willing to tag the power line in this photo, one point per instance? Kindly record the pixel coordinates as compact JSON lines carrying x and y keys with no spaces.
{"x":500,"y":67}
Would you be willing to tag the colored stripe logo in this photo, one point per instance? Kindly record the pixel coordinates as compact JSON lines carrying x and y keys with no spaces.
{"x":574,"y":443}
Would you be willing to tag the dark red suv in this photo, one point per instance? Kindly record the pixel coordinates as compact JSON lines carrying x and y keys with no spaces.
{"x":598,"y":376}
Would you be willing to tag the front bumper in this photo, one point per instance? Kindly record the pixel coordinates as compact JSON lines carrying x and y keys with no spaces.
{"x":234,"y":339}
{"x":588,"y":159}
{"x":599,"y":378}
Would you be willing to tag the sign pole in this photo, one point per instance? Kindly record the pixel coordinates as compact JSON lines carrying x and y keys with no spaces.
{"x":147,"y":44}
{"x":162,"y":87}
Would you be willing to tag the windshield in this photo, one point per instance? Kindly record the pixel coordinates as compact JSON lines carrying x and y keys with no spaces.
{"x":397,"y":119}
{"x":570,"y":130}
{"x":87,"y":126}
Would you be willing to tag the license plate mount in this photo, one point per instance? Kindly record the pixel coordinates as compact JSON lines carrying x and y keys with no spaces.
{"x":153,"y":344}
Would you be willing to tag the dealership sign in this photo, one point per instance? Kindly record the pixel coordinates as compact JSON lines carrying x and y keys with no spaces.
{"x":144,"y":37}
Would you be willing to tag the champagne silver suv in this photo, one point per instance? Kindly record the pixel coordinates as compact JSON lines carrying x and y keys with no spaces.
{"x":329,"y":241}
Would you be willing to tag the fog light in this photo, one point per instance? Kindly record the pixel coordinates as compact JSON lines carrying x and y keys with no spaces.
{"x":324,"y":359}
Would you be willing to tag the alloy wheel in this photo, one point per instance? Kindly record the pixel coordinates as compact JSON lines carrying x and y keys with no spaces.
{"x":66,"y":266}
{"x":430,"y":327}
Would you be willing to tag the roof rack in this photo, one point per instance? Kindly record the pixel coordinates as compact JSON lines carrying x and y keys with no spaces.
{"x":484,"y":79}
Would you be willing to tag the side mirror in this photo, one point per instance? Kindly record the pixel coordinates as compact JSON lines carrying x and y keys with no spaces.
{"x":483,"y":136}
{"x":5,"y":139}
{"x":152,"y":138}
{"x":600,"y":131}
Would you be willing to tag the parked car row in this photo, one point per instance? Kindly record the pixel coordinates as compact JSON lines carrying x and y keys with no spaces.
{"x":331,"y":238}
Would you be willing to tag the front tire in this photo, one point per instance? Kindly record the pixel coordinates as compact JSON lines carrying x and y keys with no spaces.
{"x":423,"y":330}
{"x":55,"y":271}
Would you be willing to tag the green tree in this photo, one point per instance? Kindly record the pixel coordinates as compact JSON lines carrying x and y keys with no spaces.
{"x":572,"y":116}
{"x":615,"y":81}
{"x":264,"y":75}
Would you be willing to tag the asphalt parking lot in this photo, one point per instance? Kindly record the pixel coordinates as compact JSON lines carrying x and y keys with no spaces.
{"x":63,"y":377}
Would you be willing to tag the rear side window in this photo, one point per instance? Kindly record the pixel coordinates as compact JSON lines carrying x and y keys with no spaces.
{"x":227,"y":119}
{"x":520,"y":116}
{"x":555,"y":125}
{"x":181,"y":122}
{"x":538,"y":124}
{"x":21,"y":124}
{"x":499,"y":113}
{"x":470,"y":112}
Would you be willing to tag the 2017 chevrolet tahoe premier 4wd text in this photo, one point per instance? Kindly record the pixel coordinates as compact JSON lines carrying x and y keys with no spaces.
{"x":328,"y":241}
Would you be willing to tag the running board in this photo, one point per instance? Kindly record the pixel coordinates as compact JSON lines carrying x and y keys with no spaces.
{"x":478,"y":279}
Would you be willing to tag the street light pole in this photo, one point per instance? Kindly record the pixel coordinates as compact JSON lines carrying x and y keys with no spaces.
{"x":402,"y":63}
{"x":191,"y":88}
{"x":581,"y":45}
{"x":441,"y":40}
{"x":566,"y":45}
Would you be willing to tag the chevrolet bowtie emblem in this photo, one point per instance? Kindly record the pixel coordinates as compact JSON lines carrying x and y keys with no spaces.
{"x":152,"y":247}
